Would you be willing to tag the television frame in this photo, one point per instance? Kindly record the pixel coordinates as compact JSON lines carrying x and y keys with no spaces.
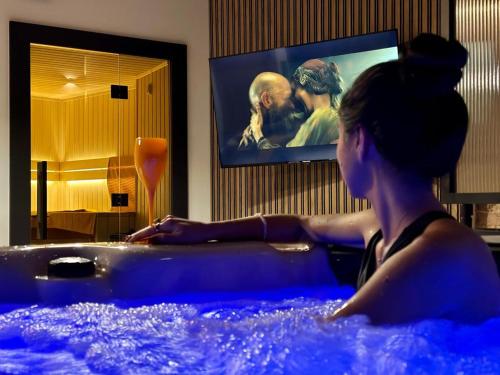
{"x":285,"y":158}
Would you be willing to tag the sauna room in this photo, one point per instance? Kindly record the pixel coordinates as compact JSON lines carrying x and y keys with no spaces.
{"x":83,"y":132}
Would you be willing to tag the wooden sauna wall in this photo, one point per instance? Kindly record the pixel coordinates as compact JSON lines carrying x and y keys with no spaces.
{"x":81,"y":128}
{"x":153,"y":120}
{"x":239,"y":26}
{"x":45,"y":129}
{"x":97,"y":126}
{"x":45,"y":145}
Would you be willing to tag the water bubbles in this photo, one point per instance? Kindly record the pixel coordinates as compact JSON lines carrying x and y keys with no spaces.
{"x":284,"y":336}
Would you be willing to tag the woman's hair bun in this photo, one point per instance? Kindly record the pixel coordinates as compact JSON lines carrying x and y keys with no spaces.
{"x":410,"y":107}
{"x":318,"y":77}
{"x":435,"y":62}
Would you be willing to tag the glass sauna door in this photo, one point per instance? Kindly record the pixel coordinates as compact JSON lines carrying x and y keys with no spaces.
{"x":87,"y":108}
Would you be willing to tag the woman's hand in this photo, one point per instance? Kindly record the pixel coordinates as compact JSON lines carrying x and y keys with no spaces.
{"x":256,"y":122}
{"x":172,"y":230}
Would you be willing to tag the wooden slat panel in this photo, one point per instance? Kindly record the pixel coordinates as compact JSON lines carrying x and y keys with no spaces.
{"x":45,"y":135}
{"x":99,"y":135}
{"x":62,"y":73}
{"x":477,"y":27}
{"x":239,"y":26}
{"x":75,"y":130}
{"x":63,"y":195}
{"x":91,"y":195}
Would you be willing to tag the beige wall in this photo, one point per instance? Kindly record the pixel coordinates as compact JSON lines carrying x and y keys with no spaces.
{"x":178,"y":21}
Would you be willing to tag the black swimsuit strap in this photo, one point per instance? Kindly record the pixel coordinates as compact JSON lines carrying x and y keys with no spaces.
{"x":414,"y":230}
{"x":407,"y":236}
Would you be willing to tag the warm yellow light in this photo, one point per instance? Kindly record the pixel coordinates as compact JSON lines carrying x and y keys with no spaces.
{"x":96,"y":181}
{"x":33,"y":182}
{"x":49,"y":171}
{"x":84,"y":170}
{"x":84,"y":51}
{"x":80,"y":182}
{"x":70,"y":86}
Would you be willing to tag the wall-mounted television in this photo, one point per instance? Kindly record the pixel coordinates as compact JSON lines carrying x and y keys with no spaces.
{"x":280,"y":105}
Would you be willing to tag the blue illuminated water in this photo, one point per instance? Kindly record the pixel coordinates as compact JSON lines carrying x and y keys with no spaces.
{"x":276,"y":336}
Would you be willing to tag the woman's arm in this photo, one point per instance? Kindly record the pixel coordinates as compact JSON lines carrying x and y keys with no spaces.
{"x":340,"y":229}
{"x":353,"y":230}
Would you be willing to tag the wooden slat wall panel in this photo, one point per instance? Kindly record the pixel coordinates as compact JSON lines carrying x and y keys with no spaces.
{"x":96,"y":126}
{"x":91,"y":195}
{"x":54,"y":196}
{"x":478,"y":28}
{"x":239,"y":26}
{"x":153,"y":120}
{"x":46,"y":118}
{"x":81,"y":128}
{"x":63,"y":73}
{"x":62,"y":195}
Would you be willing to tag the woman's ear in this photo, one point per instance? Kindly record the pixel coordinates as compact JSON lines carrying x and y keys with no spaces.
{"x":363,"y":142}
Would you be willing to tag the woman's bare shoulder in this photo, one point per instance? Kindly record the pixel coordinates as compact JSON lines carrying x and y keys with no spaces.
{"x":472,"y":269}
{"x":449,"y":235}
{"x":453,"y":246}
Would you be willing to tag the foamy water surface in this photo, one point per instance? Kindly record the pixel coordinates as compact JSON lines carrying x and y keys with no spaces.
{"x":236,"y":337}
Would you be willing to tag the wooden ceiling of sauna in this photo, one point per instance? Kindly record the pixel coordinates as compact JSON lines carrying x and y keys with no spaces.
{"x":63,"y":73}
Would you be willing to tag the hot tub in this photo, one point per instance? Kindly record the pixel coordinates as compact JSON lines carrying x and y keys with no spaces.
{"x":125,"y":271}
{"x":234,"y":308}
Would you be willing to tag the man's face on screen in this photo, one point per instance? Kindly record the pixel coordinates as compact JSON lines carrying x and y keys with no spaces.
{"x":281,"y":102}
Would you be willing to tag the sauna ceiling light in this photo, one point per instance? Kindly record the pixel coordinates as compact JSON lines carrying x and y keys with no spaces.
{"x":70,"y":76}
{"x":70,"y":86}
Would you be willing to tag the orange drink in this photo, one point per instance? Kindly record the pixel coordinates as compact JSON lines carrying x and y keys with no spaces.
{"x":150,"y":157}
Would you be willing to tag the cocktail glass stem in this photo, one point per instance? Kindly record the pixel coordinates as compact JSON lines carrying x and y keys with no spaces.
{"x":151,"y":205}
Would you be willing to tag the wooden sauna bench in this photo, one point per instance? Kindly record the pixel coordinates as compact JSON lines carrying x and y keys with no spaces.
{"x":83,"y":226}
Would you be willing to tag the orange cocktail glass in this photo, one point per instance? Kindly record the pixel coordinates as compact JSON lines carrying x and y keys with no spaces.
{"x":150,"y":158}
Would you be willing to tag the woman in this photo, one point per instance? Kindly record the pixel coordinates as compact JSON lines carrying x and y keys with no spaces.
{"x":317,"y":85}
{"x":402,"y":124}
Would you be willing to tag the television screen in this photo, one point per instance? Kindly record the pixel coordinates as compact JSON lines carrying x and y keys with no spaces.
{"x":280,"y":105}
